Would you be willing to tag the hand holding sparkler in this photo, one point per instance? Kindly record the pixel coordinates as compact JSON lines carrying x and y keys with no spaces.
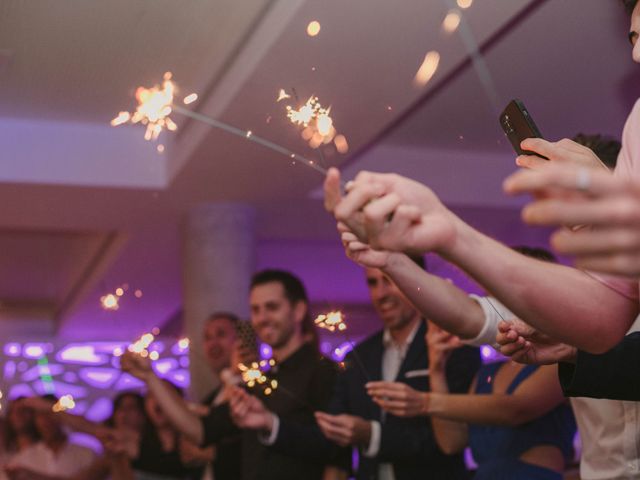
{"x":254,"y":375}
{"x":345,"y":430}
{"x":136,"y":365}
{"x":247,"y":411}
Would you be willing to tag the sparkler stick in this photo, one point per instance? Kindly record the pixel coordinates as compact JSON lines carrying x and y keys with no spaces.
{"x":334,"y":321}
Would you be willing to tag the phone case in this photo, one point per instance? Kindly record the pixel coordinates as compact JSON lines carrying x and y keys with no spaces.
{"x":518,"y":125}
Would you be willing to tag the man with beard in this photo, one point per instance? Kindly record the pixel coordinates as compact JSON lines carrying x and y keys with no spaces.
{"x":280,"y":317}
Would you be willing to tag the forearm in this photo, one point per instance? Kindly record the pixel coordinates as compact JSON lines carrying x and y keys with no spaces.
{"x":451,"y":436}
{"x":492,"y":409}
{"x":176,"y":410}
{"x":78,"y":423}
{"x":563,"y":302}
{"x":438,"y":300}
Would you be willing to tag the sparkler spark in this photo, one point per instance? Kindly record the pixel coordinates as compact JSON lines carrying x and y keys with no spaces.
{"x":153,"y":110}
{"x":427,"y":69}
{"x":190,"y":98}
{"x":331,"y":321}
{"x":282,"y":95}
{"x":254,"y":375}
{"x":451,"y":22}
{"x":65,"y":402}
{"x":317,"y":123}
{"x":110,"y":302}
{"x":141,"y":345}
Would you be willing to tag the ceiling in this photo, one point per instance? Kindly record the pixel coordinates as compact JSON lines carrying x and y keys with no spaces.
{"x":88,"y":207}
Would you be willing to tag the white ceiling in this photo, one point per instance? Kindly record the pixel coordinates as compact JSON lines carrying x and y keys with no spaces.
{"x":72,"y":68}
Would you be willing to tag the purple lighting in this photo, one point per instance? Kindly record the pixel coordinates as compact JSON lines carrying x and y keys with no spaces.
{"x":81,"y":354}
{"x":12,"y":349}
{"x":164,"y":366}
{"x":99,"y":377}
{"x":265,"y":351}
{"x":34,"y":350}
{"x":341,"y":351}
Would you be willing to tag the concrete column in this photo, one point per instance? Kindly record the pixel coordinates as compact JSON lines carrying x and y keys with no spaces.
{"x":219,"y":259}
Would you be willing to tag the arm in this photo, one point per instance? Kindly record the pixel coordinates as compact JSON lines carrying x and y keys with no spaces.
{"x":174,"y":407}
{"x":77,"y":423}
{"x":391,"y":212}
{"x":536,"y":396}
{"x":613,"y":375}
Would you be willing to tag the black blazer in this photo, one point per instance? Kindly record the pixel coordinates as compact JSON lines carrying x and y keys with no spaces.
{"x":614,"y":375}
{"x":407,"y":443}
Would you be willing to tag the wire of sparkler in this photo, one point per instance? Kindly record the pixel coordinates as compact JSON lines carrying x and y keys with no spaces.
{"x":248,"y":135}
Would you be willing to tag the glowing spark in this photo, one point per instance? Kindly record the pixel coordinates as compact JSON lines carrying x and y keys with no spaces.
{"x":155,"y":331}
{"x":451,"y":21}
{"x":153,"y":110}
{"x":331,"y":321}
{"x":154,"y":355}
{"x":109,"y":302}
{"x":254,"y":375}
{"x":324,"y":123}
{"x":465,"y":3}
{"x":138,"y":293}
{"x":249,"y":133}
{"x":282,"y":95}
{"x":64,"y":403}
{"x":427,"y":69}
{"x":190,"y":98}
{"x":117,"y":352}
{"x":119,"y":292}
{"x":183,"y":343}
{"x":313,"y":28}
{"x":140,"y":346}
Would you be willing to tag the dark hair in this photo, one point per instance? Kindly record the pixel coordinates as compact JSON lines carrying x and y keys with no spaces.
{"x":10,"y":436}
{"x":232,"y":317}
{"x":117,"y":403}
{"x":536,"y":252}
{"x":294,"y":291}
{"x":606,"y":148}
{"x":629,"y":5}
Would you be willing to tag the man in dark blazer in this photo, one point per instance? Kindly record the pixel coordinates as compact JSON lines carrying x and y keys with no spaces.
{"x":389,"y":447}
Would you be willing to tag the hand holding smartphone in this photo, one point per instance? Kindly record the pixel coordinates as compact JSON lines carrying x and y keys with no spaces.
{"x":518,"y":125}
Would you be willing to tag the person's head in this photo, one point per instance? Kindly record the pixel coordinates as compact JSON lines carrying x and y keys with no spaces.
{"x":153,"y":410}
{"x":128,"y":411}
{"x":20,"y":421}
{"x":218,"y":338}
{"x":606,"y":148}
{"x":393,"y":307}
{"x":633,"y":9}
{"x":279,"y":308}
{"x":48,"y":426}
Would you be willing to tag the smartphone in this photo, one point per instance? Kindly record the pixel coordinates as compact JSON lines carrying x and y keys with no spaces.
{"x":247,"y":336}
{"x":518,"y":125}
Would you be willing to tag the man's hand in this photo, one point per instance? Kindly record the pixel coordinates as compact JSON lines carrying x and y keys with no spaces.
{"x":526,"y":345}
{"x":345,"y":430}
{"x":568,"y":195}
{"x":136,"y":365}
{"x":390,"y":212}
{"x":399,"y":399}
{"x":361,"y":253}
{"x":563,"y":151}
{"x":441,"y":343}
{"x":247,"y":411}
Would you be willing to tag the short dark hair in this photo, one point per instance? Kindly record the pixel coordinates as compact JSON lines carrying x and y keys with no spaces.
{"x":606,"y":148}
{"x":119,"y":399}
{"x":536,"y":252}
{"x":629,"y":5}
{"x":232,"y":317}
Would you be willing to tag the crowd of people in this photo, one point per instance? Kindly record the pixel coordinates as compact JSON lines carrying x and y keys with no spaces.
{"x":409,"y":399}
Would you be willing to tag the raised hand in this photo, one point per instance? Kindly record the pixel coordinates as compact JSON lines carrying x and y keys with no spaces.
{"x":441,"y":343}
{"x":563,"y":151}
{"x":136,"y":365}
{"x":524,"y":344}
{"x":247,"y":411}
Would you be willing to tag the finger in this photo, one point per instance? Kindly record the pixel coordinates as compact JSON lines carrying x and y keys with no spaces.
{"x":504,"y":326}
{"x":597,"y":242}
{"x":625,"y":263}
{"x":542,"y":147}
{"x":397,"y":234}
{"x":511,"y":348}
{"x":332,"y":193}
{"x":532,"y":162}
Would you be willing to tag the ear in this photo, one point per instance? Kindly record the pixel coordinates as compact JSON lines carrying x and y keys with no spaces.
{"x":300,"y":311}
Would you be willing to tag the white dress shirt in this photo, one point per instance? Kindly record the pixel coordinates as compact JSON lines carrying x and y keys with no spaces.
{"x":392,"y":358}
{"x":68,"y":461}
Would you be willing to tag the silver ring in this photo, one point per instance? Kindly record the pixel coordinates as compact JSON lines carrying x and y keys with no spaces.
{"x":583,"y":179}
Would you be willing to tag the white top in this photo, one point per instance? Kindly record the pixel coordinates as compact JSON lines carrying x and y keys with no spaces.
{"x":494,"y":313}
{"x":69,"y":460}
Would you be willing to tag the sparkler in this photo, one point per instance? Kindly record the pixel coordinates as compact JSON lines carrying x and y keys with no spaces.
{"x":254,"y":375}
{"x":141,"y":345}
{"x":155,"y":104}
{"x":65,"y":402}
{"x":335,"y":321}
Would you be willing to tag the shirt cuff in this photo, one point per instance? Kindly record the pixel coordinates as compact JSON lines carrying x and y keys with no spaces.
{"x":493,"y":312}
{"x":374,"y":443}
{"x":270,"y":439}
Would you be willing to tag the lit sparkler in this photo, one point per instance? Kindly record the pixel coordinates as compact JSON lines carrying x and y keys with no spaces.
{"x":65,"y":402}
{"x":155,"y":104}
{"x":317,"y":123}
{"x":110,"y":302}
{"x":141,"y":345}
{"x":331,"y":321}
{"x":254,"y":375}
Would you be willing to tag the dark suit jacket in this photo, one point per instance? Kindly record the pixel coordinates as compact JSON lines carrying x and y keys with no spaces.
{"x":407,"y":443}
{"x":614,"y":375}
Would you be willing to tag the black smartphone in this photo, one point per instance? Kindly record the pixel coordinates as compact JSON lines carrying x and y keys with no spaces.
{"x":518,"y":125}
